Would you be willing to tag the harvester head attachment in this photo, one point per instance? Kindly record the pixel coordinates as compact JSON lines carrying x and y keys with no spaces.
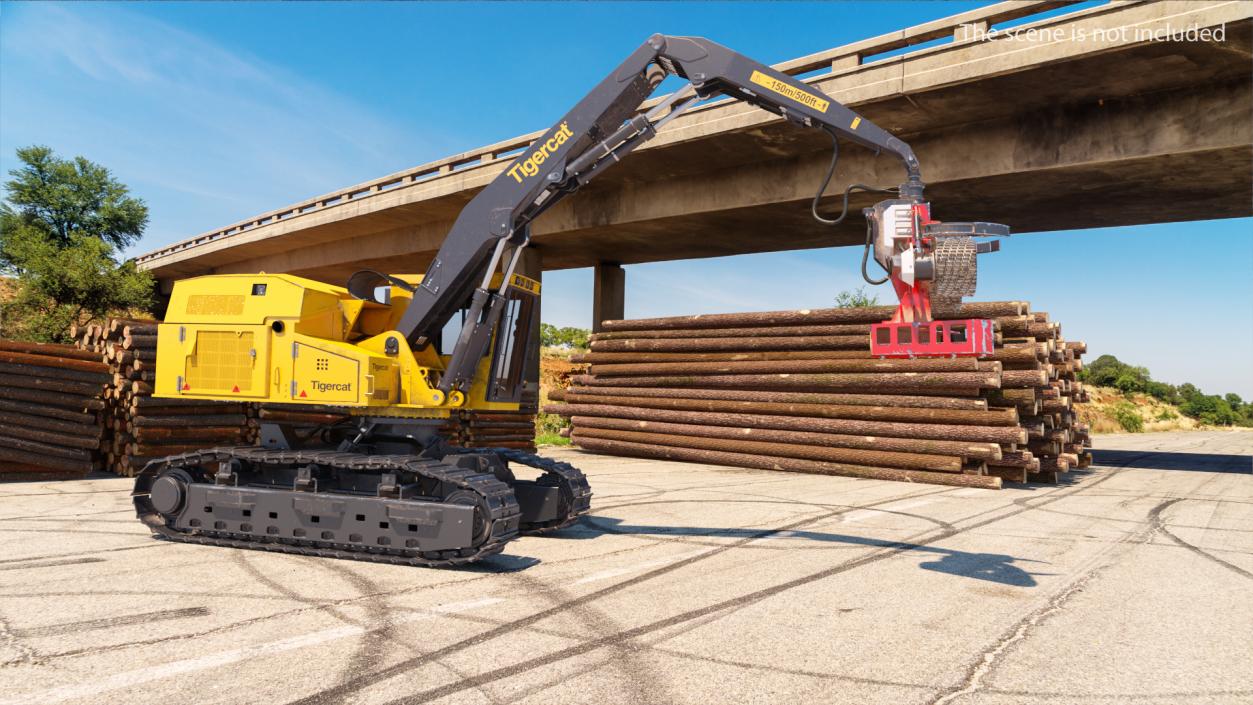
{"x":932,"y":266}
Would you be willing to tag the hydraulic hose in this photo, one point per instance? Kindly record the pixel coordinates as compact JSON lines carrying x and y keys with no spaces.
{"x":826,"y":181}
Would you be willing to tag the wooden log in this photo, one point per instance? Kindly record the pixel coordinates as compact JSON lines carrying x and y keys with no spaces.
{"x":189,"y":420}
{"x":1054,"y":464}
{"x":988,"y":434}
{"x":812,"y":382}
{"x":31,"y":445}
{"x":806,"y":317}
{"x":47,"y":426}
{"x":1044,"y":447}
{"x":827,"y":316}
{"x":1023,"y":379}
{"x":643,"y":450}
{"x":994,"y":417}
{"x":296,"y":417}
{"x":1015,"y":355}
{"x":24,"y":472}
{"x":132,"y":342}
{"x":73,"y":402}
{"x":53,"y":362}
{"x":51,"y":437}
{"x":1017,"y":458}
{"x":478,"y":423}
{"x":830,"y":342}
{"x":528,"y":416}
{"x":11,"y":368}
{"x":1059,"y":404}
{"x":54,"y":350}
{"x":966,"y":450}
{"x":508,"y":438}
{"x":928,"y":402}
{"x":51,"y":384}
{"x":1008,"y":474}
{"x":209,"y":409}
{"x":794,"y":367}
{"x":640,"y":357}
{"x":26,"y":408}
{"x":774,"y":331}
{"x":160,"y":450}
{"x":136,"y":328}
{"x":143,"y":402}
{"x":38,"y":459}
{"x":160,"y":434}
{"x":914,"y":461}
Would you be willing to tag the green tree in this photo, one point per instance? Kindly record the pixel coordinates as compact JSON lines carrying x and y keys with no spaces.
{"x":1234,"y":400}
{"x":61,"y":225}
{"x":553,"y":337}
{"x":856,"y":298}
{"x":547,"y":335}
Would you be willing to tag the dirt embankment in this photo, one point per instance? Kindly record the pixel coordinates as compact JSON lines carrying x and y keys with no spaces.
{"x":1111,"y":411}
{"x":555,"y":371}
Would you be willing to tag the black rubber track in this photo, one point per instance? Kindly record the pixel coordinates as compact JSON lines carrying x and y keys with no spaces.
{"x":497,"y":496}
{"x":576,"y":493}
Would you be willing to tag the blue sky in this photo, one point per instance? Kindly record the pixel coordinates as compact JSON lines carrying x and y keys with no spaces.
{"x":213,"y":112}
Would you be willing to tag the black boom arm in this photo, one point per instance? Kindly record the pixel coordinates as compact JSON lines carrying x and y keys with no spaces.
{"x":604,"y":126}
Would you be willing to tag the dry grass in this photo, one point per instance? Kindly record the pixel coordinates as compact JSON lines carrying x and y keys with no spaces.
{"x":1156,"y":415}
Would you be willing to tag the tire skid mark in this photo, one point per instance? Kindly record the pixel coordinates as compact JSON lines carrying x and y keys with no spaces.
{"x":991,"y":658}
{"x":890,"y":549}
{"x":277,"y":615}
{"x":26,"y":655}
{"x":108,"y":622}
{"x":52,"y":563}
{"x":1165,"y":530}
{"x":596,"y":665}
{"x":379,"y":630}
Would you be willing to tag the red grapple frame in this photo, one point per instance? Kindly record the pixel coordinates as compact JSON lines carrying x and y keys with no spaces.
{"x":912,"y":333}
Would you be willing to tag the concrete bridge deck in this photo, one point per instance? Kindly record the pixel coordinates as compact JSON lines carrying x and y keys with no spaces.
{"x":1076,"y":120}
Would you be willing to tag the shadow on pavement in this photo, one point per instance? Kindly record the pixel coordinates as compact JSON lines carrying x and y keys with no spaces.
{"x":1162,"y":460}
{"x":992,"y":567}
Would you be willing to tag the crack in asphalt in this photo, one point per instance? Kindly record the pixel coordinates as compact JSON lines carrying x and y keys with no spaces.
{"x":993,"y":656}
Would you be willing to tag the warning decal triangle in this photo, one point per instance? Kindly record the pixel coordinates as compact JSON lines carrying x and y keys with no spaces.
{"x":186,"y":387}
{"x":302,"y":394}
{"x":236,"y":389}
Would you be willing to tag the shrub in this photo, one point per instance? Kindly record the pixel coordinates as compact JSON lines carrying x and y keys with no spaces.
{"x":1128,"y":417}
{"x":856,"y":298}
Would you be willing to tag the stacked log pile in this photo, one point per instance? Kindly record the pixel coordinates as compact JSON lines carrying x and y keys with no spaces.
{"x":496,"y":429}
{"x":138,"y":426}
{"x":463,"y":429}
{"x":50,"y":411}
{"x":799,"y":391}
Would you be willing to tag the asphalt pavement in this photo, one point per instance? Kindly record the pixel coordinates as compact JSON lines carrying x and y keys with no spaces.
{"x":1130,"y":582}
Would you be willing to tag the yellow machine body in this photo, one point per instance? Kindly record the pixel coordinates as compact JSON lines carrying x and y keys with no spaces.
{"x":285,"y":339}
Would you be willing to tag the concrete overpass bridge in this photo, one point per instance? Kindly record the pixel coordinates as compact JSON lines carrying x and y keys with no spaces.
{"x":1076,"y":120}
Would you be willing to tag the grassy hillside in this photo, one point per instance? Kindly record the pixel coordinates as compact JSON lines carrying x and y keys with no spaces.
{"x":1112,"y":411}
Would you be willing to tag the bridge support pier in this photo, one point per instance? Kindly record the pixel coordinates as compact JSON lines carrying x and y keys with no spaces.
{"x":608,"y":294}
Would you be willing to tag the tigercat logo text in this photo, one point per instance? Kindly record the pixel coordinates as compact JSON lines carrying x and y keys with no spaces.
{"x":331,"y":386}
{"x":530,"y":167}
